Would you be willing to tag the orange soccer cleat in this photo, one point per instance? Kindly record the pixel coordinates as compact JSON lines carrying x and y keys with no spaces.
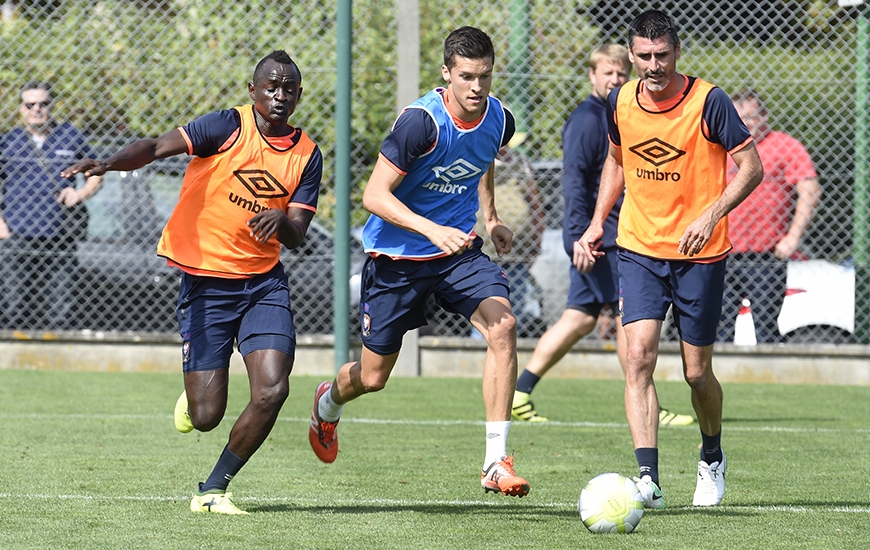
{"x":321,"y":434}
{"x":499,"y":477}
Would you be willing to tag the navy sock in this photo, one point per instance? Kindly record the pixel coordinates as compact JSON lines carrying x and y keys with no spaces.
{"x":526,"y":382}
{"x":228,"y":465}
{"x":710,"y":450}
{"x":648,"y":461}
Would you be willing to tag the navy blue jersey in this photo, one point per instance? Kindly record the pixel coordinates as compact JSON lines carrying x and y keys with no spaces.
{"x":584,"y":150}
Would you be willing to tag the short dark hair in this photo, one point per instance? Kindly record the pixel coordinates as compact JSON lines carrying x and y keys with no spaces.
{"x":278,"y":56}
{"x":749,"y":94}
{"x":36,"y":85}
{"x":653,"y":24}
{"x":467,"y":42}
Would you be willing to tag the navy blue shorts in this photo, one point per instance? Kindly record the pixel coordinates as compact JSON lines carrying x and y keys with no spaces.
{"x":393,"y":293}
{"x":215,"y":313}
{"x":648,"y":287}
{"x":590,"y":292}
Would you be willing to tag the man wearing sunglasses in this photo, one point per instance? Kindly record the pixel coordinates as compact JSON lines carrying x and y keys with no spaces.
{"x":38,"y":214}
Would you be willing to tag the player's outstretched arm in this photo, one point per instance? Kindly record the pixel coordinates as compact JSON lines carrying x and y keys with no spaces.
{"x":136,"y":155}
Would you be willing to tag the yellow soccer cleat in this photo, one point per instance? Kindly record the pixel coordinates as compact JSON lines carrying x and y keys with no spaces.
{"x":182,"y":416}
{"x":667,"y":418}
{"x":216,"y":503}
{"x":523,"y":410}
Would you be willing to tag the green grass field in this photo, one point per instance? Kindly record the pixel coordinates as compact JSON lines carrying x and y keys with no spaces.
{"x":91,"y":460}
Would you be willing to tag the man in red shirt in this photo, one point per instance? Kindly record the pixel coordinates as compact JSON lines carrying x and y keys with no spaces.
{"x":767,"y":227}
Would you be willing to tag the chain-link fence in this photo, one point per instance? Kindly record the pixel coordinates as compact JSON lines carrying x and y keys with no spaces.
{"x":121,"y":70}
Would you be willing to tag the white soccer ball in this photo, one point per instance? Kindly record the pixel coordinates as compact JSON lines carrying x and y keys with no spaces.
{"x":610,"y":503}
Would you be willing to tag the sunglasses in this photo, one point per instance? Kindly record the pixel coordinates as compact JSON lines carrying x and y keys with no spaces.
{"x":43,"y":104}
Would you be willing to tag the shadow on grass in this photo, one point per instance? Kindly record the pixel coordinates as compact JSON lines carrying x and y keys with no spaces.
{"x":769,"y":419}
{"x":520,"y":512}
{"x":822,"y":506}
{"x":758,"y":508}
{"x":714,"y":511}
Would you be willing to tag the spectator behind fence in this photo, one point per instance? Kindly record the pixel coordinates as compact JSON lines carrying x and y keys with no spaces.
{"x":520,"y":209}
{"x":672,"y":247}
{"x":43,"y":215}
{"x":251,"y":186}
{"x":584,"y":148}
{"x":766,"y":229}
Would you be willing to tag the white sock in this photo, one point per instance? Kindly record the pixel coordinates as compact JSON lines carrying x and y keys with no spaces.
{"x":496,"y":441}
{"x":328,"y":409}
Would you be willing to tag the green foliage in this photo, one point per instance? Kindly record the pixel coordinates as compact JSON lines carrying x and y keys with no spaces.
{"x":800,"y":101}
{"x":98,"y":464}
{"x":143,"y":68}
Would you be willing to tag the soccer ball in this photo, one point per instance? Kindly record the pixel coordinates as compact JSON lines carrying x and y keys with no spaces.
{"x":610,"y":503}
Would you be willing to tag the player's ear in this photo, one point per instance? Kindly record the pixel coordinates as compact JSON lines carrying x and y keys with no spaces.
{"x":445,"y":73}
{"x":251,"y":90}
{"x":299,"y":96}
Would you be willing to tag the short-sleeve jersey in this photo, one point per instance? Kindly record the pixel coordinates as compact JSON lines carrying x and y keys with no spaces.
{"x":674,"y":165}
{"x":584,"y":150}
{"x":442,"y":183}
{"x":236,"y":177}
{"x":762,"y":220}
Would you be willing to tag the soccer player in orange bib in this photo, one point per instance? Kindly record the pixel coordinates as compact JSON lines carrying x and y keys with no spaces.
{"x":670,"y":135}
{"x":251,"y":186}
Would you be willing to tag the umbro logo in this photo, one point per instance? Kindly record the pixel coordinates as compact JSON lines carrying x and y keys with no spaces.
{"x":261,"y":184}
{"x":656,"y":151}
{"x":460,"y":169}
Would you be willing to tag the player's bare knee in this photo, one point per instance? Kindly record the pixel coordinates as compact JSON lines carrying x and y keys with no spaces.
{"x":503,"y":330}
{"x":639,"y":360}
{"x":373,"y":382}
{"x":637,"y":377}
{"x":508,"y":324}
{"x":271,"y":397}
{"x":698,"y":379}
{"x":205,"y":419}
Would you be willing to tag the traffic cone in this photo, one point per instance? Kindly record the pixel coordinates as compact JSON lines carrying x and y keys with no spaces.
{"x":744,"y":326}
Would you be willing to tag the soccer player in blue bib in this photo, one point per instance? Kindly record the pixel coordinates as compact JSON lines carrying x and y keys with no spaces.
{"x":434,"y":168}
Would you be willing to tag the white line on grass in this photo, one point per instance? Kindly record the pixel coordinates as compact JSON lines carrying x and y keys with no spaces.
{"x":350,"y":420}
{"x":291,"y":500}
{"x":429,"y":502}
